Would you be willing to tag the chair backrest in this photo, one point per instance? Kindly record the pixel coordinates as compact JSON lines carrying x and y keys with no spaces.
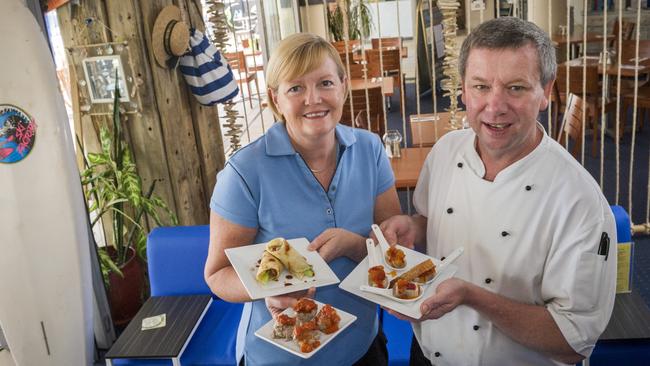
{"x":571,"y":128}
{"x":356,"y":71}
{"x":628,"y":49}
{"x":386,"y":42}
{"x":627,"y":29}
{"x":237,"y":61}
{"x":373,"y":110}
{"x":347,"y":58}
{"x":389,"y":59}
{"x":592,"y":88}
{"x":340,"y":45}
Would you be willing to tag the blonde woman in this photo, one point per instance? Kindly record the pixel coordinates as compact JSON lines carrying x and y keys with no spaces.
{"x":308,"y":176}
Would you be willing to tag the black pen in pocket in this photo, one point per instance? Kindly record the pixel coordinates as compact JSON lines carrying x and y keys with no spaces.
{"x":603,"y":247}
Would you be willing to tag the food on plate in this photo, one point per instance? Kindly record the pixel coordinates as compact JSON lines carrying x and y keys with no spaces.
{"x":269,"y":269}
{"x":377,"y":277}
{"x":395,"y":257}
{"x":307,"y":336}
{"x":406,"y":290}
{"x":305,"y":310}
{"x":290,"y":258}
{"x":283,"y":327}
{"x":414,"y":272}
{"x":425,"y":276}
{"x":328,"y":319}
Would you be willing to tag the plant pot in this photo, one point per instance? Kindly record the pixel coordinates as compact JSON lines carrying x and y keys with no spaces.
{"x":125,"y":293}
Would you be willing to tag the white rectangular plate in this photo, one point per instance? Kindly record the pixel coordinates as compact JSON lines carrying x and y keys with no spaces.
{"x":266,"y":333}
{"x":245,"y":261}
{"x":359,"y":276}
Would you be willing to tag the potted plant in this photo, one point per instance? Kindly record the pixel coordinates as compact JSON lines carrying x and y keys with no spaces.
{"x":359,"y":19}
{"x":114,"y":192}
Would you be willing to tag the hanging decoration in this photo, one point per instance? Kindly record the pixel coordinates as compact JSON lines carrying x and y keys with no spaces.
{"x":451,"y":83}
{"x":219,"y":37}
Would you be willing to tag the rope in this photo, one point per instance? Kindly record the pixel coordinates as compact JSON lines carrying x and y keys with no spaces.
{"x":584,"y":81}
{"x":634,"y":112}
{"x":401,"y":75}
{"x":602,"y":102}
{"x":257,"y":91}
{"x":618,"y":102}
{"x":550,"y":113}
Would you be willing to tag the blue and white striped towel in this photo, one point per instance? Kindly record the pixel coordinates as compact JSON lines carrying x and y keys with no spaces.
{"x":206,"y":72}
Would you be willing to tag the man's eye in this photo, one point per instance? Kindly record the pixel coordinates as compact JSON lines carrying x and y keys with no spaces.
{"x":517,"y":88}
{"x":480,"y":87}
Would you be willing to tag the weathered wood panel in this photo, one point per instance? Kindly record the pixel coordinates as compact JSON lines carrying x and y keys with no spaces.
{"x":175,"y":140}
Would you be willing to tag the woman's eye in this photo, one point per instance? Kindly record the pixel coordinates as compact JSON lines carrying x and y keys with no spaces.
{"x":328,"y":83}
{"x":293,"y":89}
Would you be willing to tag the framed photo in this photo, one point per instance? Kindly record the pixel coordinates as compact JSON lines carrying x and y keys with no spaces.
{"x":100,"y":74}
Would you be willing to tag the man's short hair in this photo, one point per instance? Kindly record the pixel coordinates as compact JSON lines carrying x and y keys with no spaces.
{"x":513,"y":33}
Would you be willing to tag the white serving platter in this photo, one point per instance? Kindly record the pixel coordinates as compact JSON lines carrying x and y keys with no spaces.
{"x":245,"y":261}
{"x":266,"y":333}
{"x":359,"y":277}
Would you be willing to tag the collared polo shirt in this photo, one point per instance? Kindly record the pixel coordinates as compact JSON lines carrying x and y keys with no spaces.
{"x":531,"y":235}
{"x":267,"y":185}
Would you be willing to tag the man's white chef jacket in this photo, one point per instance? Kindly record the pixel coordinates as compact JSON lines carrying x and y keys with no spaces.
{"x":531,"y":235}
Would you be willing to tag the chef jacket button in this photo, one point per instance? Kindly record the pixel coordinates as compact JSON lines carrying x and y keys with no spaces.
{"x":329,"y":211}
{"x":460,"y":165}
{"x":437,"y":354}
{"x":505,"y":233}
{"x":443,"y":258}
{"x":476,"y":327}
{"x":488,"y":280}
{"x":528,"y":188}
{"x":450,"y":210}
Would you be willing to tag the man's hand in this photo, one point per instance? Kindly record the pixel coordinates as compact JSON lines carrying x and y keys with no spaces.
{"x":405,"y":230}
{"x":277,"y":304}
{"x":333,"y":243}
{"x":449,"y":294}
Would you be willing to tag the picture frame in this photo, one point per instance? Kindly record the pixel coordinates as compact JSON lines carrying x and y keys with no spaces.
{"x":100,"y":72}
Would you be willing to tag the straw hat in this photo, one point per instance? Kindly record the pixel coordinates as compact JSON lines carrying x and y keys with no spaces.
{"x":170,"y":36}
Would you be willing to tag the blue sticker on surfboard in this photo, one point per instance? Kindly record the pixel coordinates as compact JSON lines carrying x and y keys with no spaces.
{"x":17,"y":134}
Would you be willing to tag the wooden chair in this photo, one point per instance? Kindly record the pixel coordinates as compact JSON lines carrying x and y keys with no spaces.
{"x":352,"y":45}
{"x":643,"y":107}
{"x":365,"y":113}
{"x":571,"y":128}
{"x":383,"y":63}
{"x":347,"y":58}
{"x":593,"y":93}
{"x":426,"y":129}
{"x":627,"y":32}
{"x":357,"y":71}
{"x":628,"y":49}
{"x":237,"y":62}
{"x":386,"y":42}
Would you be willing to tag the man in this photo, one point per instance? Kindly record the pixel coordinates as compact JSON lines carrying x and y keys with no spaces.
{"x":537,"y":281}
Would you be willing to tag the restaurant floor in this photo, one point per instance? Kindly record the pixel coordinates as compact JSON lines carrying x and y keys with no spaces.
{"x":640,"y":186}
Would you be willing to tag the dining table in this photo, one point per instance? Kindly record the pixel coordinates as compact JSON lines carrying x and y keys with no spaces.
{"x":627,"y":69}
{"x":577,"y":39}
{"x":386,"y":83}
{"x":407,"y":167}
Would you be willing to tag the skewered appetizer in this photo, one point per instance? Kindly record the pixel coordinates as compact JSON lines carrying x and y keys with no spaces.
{"x":395,"y":257}
{"x":406,"y":290}
{"x":425,"y":276}
{"x":377,"y":277}
{"x":328,"y":319}
{"x":283,"y":328}
{"x":307,"y":336}
{"x":414,"y":272}
{"x":305,"y":310}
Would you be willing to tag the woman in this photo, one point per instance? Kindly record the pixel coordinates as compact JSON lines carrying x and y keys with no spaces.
{"x":308,"y":177}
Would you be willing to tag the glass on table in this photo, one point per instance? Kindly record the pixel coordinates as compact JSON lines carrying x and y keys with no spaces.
{"x":392,"y":140}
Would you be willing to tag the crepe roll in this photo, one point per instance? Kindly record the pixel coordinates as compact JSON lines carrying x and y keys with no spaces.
{"x":290,"y":258}
{"x":270,"y":268}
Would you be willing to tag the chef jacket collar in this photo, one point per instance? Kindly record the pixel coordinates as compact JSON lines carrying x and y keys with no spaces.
{"x":471,"y":157}
{"x":278,"y":142}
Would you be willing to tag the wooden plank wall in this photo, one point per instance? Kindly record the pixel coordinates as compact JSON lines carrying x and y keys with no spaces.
{"x":175,"y":140}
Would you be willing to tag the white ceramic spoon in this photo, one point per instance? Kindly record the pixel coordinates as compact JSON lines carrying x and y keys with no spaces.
{"x":389,"y":293}
{"x":372,"y":253}
{"x":383,"y":243}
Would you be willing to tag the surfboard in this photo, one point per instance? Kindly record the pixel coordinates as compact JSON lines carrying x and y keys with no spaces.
{"x":45,"y":281}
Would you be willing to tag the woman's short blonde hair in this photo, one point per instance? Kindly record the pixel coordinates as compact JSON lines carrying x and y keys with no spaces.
{"x":295,"y":56}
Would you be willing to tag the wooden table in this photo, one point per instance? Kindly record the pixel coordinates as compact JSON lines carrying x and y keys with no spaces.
{"x":576,"y":40}
{"x":628,"y":67}
{"x":386,"y":84}
{"x":407,"y":168}
{"x":183,"y":313}
{"x":427,"y":128}
{"x":358,"y":56}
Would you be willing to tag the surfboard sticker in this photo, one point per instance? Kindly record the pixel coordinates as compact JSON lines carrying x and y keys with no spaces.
{"x":17,"y":134}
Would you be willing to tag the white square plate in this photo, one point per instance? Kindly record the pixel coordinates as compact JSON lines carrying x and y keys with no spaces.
{"x":245,"y":261}
{"x":359,"y":276}
{"x":266,"y":333}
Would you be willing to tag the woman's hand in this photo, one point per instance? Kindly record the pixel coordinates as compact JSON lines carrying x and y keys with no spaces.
{"x":333,"y":243}
{"x":277,"y":304}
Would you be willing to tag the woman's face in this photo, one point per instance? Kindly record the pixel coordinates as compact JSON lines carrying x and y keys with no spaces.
{"x":312,"y":103}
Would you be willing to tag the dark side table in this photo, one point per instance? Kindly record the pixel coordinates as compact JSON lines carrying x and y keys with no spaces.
{"x":183,"y":315}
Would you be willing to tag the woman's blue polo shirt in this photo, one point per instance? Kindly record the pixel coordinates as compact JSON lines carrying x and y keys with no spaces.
{"x":267,"y":185}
